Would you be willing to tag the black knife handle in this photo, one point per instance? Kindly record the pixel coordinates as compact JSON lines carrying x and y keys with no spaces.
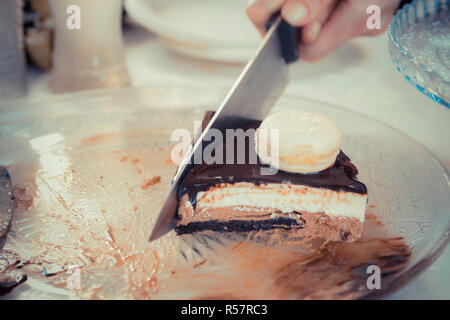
{"x":288,"y":39}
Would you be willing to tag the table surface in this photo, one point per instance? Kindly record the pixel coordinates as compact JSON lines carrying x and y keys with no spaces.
{"x":358,"y":76}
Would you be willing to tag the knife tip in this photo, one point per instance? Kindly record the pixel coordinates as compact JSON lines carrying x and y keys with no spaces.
{"x":153,"y":236}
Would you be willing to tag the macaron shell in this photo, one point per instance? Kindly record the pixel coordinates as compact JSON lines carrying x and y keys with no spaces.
{"x":308,"y":142}
{"x":307,"y":164}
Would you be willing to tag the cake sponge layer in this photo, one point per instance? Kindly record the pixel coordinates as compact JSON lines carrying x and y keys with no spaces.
{"x":330,"y":214}
{"x":283,"y":197}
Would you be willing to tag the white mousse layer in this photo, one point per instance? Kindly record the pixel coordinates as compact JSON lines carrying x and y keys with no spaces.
{"x":286,"y":198}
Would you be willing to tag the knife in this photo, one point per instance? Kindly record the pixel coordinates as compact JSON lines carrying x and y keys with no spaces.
{"x":252,"y":96}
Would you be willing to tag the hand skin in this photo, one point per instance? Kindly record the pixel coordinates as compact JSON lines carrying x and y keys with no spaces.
{"x":326,"y":24}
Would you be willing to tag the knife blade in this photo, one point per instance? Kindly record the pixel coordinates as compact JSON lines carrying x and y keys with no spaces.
{"x":252,"y":96}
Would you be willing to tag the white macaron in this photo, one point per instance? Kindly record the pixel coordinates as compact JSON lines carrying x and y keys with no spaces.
{"x":307,"y":142}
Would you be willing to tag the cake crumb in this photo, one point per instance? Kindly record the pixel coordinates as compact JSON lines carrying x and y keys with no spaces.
{"x":135,"y":208}
{"x":149,"y":182}
{"x":372,"y":217}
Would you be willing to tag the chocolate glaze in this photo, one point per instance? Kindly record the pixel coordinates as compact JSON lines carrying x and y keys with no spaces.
{"x":340,"y":176}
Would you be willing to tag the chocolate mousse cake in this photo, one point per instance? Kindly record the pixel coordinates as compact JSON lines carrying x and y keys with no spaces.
{"x":328,"y":204}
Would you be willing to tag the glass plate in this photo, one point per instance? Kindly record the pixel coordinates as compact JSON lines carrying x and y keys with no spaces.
{"x":79,"y":164}
{"x":419,"y":45}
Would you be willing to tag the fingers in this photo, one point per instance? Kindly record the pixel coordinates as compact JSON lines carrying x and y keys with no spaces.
{"x":326,"y":24}
{"x":311,"y":31}
{"x":346,"y":21}
{"x":303,"y":12}
{"x":338,"y":29}
{"x":259,"y":12}
{"x":295,"y":12}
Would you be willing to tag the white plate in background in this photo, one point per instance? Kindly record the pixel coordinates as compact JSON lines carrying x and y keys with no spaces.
{"x":216,"y":30}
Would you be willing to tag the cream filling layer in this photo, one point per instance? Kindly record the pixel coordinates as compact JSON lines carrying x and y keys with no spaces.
{"x":286,"y":198}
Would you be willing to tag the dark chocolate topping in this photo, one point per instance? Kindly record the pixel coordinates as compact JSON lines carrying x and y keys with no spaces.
{"x":340,"y":176}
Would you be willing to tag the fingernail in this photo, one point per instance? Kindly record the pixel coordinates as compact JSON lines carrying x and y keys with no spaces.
{"x":314,"y":31}
{"x":251,"y":2}
{"x":296,"y":13}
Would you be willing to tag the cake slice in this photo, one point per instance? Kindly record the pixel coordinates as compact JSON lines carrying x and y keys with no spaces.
{"x":328,"y":204}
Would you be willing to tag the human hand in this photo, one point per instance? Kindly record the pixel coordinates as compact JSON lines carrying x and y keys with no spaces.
{"x":326,"y":24}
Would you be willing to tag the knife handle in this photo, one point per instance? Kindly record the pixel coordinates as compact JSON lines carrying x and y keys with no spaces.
{"x":288,"y":39}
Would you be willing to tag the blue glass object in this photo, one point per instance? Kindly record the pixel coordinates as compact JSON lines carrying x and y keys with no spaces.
{"x":419,"y":45}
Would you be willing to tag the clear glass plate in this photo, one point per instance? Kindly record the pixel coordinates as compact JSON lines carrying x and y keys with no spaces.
{"x":419,"y":45}
{"x":79,"y":163}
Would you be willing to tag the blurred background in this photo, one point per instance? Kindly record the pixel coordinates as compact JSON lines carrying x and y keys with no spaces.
{"x":207,"y":42}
